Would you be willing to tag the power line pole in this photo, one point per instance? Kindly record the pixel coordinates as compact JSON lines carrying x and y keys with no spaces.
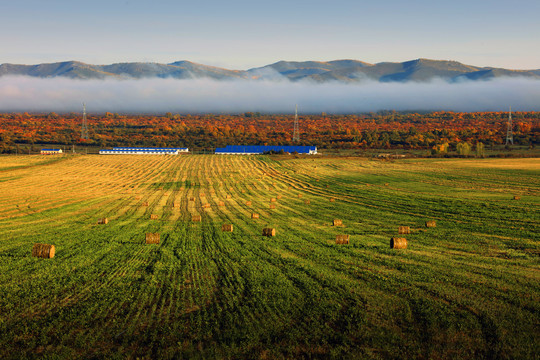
{"x":509,"y":133}
{"x":296,"y":132}
{"x":84,"y":130}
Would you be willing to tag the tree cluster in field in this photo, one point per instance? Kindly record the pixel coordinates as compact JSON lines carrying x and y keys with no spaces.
{"x":438,"y":132}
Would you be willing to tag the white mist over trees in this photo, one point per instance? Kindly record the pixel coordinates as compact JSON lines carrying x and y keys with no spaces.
{"x":270,"y":96}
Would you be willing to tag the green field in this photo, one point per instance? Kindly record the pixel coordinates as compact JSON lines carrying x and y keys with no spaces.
{"x":468,"y":288}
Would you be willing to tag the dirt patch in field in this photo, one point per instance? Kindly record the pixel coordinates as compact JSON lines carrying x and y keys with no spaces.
{"x":513,"y":164}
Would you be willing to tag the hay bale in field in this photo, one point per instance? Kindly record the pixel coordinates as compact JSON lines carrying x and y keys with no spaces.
{"x":342,"y":239}
{"x":386,"y":184}
{"x":254,"y":216}
{"x":191,"y":199}
{"x":272,"y":206}
{"x":299,"y":195}
{"x":517,"y":197}
{"x":206,"y":206}
{"x":326,"y":186}
{"x":248,"y":203}
{"x":279,"y":197}
{"x":221,"y":203}
{"x":404,"y":230}
{"x":269,"y":232}
{"x":228,"y":197}
{"x":152,"y":238}
{"x":196,"y":218}
{"x":431,"y":223}
{"x":176,"y":205}
{"x":243,"y":191}
{"x":154,"y":217}
{"x":138,"y":197}
{"x":307,"y":202}
{"x":227,"y":228}
{"x":337,"y":222}
{"x":332,"y":199}
{"x":45,"y":251}
{"x":202,"y":195}
{"x":146,"y":203}
{"x":273,"y":200}
{"x":103,"y":221}
{"x":398,"y":243}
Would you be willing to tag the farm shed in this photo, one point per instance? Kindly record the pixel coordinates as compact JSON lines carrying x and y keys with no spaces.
{"x":142,"y":151}
{"x":51,"y":151}
{"x":260,"y":149}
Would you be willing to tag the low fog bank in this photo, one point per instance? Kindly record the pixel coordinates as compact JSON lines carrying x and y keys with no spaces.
{"x":267,"y":96}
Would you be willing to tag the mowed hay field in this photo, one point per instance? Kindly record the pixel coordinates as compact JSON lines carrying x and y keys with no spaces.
{"x":467,"y":288}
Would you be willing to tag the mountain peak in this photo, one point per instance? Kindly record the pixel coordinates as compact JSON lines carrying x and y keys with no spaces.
{"x":345,"y":70}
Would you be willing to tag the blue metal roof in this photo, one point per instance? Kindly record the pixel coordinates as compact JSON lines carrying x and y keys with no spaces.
{"x":259,"y":149}
{"x":51,"y":149}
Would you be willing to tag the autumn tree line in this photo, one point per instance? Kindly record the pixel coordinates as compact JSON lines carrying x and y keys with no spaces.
{"x":438,"y":132}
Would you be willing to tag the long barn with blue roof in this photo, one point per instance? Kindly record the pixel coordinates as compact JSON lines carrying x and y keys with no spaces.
{"x":261,"y":149}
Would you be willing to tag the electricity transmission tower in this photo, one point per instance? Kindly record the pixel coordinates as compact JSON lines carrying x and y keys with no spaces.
{"x":84,"y":129}
{"x":296,"y":133}
{"x":509,"y":134}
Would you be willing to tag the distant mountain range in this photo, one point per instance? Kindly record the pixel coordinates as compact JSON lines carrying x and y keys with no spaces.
{"x":338,"y":70}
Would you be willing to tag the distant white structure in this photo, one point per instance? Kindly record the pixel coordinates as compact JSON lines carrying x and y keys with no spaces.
{"x":142,"y":151}
{"x":51,"y":151}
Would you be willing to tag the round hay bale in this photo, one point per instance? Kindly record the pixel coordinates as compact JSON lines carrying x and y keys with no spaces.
{"x":176,"y":205}
{"x":206,"y":206}
{"x":221,"y":203}
{"x":337,"y":222}
{"x":273,"y":200}
{"x":517,"y":197}
{"x":228,"y":196}
{"x":191,"y":199}
{"x":44,"y":251}
{"x":103,"y":221}
{"x":227,"y":228}
{"x":332,"y":200}
{"x":154,"y":217}
{"x":269,"y":232}
{"x":152,"y":238}
{"x":279,"y":197}
{"x":272,"y":206}
{"x":404,"y":230}
{"x":248,"y":203}
{"x":299,"y":195}
{"x":307,"y":202}
{"x":398,"y":243}
{"x":342,"y":239}
{"x":431,"y":223}
{"x":196,"y":218}
{"x":254,"y":216}
{"x":146,"y":203}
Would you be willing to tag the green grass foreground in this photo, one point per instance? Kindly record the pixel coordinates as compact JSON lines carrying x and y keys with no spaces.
{"x":466,"y":289}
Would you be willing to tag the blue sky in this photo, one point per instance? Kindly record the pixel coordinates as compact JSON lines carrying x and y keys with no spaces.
{"x":242,"y":34}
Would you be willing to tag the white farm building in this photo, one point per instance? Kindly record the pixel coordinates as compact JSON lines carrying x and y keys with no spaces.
{"x":51,"y":151}
{"x":142,"y":151}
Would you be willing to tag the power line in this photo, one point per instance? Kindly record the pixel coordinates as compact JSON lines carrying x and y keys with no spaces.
{"x":84,"y":129}
{"x":509,"y":133}
{"x":296,"y":132}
